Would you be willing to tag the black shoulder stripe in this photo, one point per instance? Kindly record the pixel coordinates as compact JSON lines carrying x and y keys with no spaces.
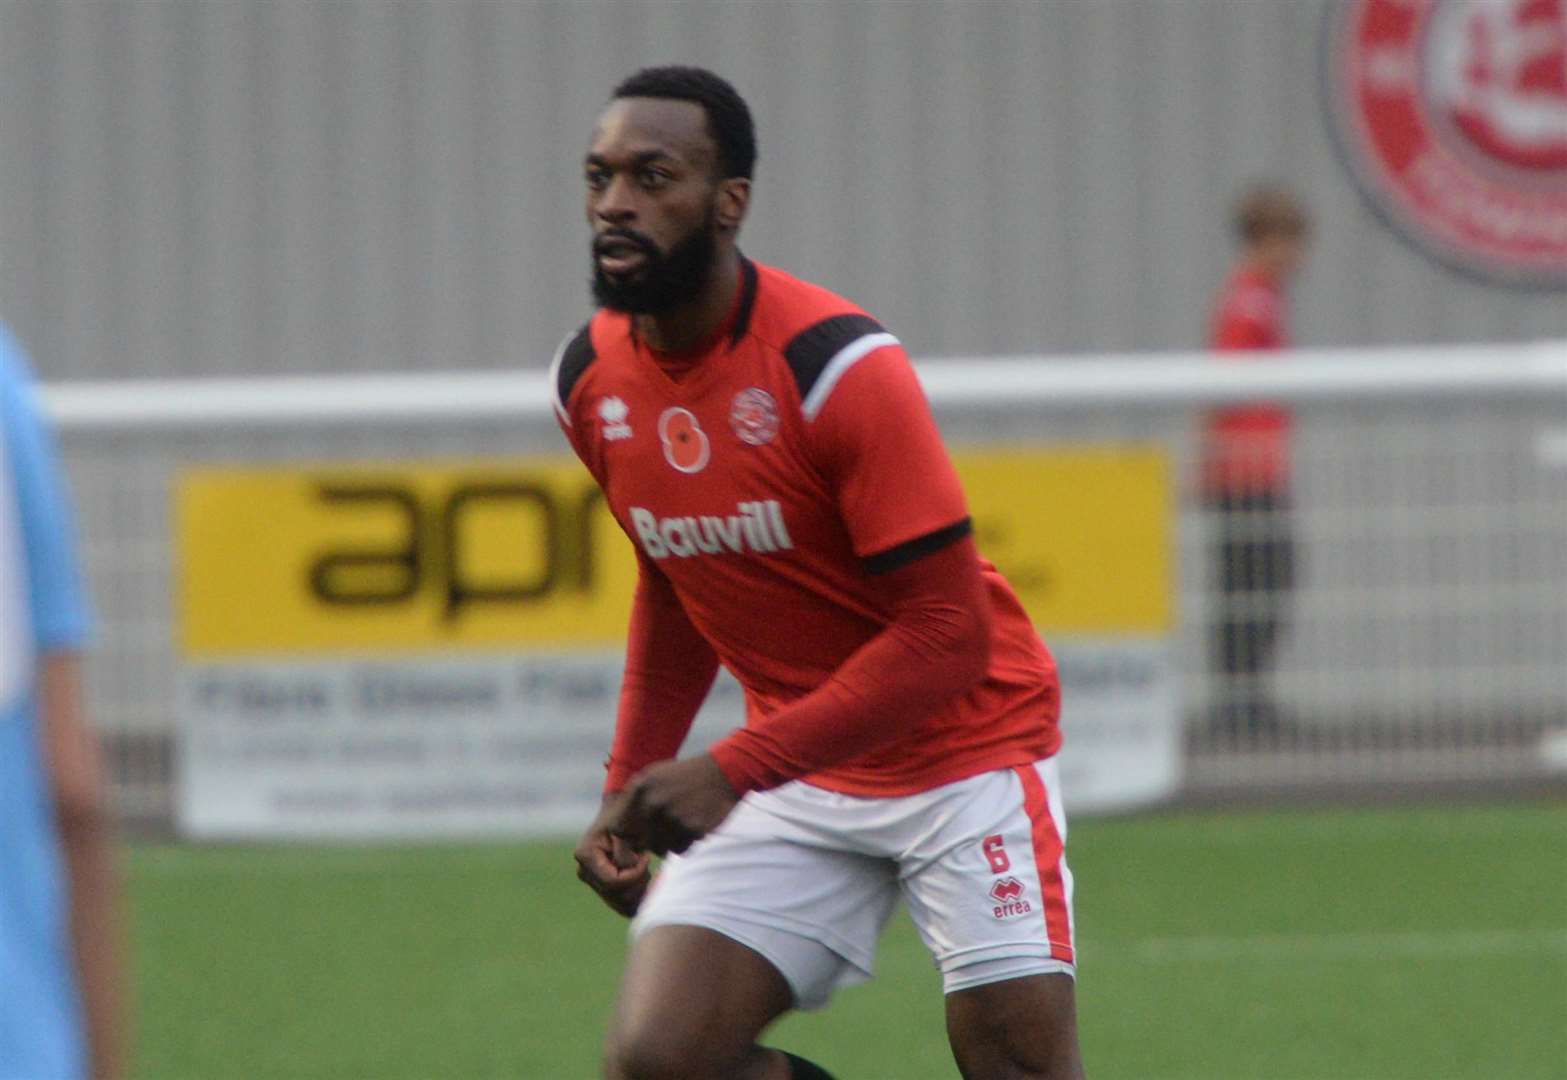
{"x":910,"y":551}
{"x":572,"y":360}
{"x":809,"y":351}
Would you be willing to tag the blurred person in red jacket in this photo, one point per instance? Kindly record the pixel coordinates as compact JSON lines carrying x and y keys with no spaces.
{"x":1246,"y":464}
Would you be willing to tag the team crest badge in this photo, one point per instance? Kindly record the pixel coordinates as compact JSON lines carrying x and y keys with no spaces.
{"x":685,"y":443}
{"x":754,"y":417}
{"x":1453,"y":116}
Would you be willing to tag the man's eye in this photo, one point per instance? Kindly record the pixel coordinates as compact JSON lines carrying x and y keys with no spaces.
{"x":597,"y":178}
{"x":654,"y":178}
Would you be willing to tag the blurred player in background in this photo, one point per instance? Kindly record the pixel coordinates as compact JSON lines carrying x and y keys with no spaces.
{"x":60,"y":976}
{"x":767,"y":448}
{"x":1247,"y":462}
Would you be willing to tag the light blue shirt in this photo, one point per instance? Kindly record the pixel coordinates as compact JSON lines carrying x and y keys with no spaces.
{"x":40,"y":1013}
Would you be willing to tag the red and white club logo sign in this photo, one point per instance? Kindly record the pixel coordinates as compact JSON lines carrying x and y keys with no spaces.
{"x":1453,"y":114}
{"x":685,"y":443}
{"x":754,"y":417}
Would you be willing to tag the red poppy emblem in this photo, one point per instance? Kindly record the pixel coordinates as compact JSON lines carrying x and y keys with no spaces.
{"x":685,"y":443}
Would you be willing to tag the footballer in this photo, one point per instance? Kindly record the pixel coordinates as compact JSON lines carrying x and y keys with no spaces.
{"x":767,"y":448}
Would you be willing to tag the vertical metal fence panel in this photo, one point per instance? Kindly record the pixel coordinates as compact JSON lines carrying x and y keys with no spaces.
{"x":1421,"y":641}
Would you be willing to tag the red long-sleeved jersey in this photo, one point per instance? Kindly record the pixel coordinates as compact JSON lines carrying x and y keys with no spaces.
{"x":797,"y":519}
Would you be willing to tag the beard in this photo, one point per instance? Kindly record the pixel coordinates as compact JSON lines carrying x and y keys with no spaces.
{"x":665,"y":280}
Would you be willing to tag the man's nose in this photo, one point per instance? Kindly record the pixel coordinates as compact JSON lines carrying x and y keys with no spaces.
{"x":616,"y":204}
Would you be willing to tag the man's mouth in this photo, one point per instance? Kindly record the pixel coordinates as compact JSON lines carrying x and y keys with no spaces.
{"x":618,"y":256}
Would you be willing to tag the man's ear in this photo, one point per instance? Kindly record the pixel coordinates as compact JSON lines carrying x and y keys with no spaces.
{"x":734,"y":198}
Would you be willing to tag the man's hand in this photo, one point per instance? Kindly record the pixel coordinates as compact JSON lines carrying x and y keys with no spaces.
{"x":611,"y":866}
{"x":671,"y":805}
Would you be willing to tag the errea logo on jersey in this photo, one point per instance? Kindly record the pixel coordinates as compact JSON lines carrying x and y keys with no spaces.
{"x":613,"y":412}
{"x":755,"y":526}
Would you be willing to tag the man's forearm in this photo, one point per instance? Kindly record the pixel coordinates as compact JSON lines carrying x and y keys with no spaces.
{"x":96,"y":938}
{"x":936,"y":648}
{"x":670,"y":668}
{"x":90,"y":850}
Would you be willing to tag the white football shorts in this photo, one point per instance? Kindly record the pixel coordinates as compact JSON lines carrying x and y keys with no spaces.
{"x":808,"y":878}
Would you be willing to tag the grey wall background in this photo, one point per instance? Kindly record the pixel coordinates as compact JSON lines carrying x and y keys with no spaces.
{"x":196,"y":187}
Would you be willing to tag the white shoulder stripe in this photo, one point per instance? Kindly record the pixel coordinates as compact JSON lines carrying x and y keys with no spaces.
{"x":560,"y":354}
{"x":842,"y":361}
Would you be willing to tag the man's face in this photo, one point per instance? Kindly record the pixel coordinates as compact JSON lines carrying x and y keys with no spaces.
{"x":1284,"y":252}
{"x":655,"y":204}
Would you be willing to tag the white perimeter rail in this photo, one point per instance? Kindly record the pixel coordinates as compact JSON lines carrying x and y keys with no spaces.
{"x":996,"y":383}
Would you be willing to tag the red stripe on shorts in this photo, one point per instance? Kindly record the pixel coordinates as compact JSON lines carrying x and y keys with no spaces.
{"x":1047,"y":860}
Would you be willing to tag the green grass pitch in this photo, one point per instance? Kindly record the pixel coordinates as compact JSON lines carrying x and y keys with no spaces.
{"x":1424,"y":943}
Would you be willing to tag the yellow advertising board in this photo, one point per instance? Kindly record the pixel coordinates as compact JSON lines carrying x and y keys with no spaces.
{"x":499,"y":553}
{"x":1083,"y":532}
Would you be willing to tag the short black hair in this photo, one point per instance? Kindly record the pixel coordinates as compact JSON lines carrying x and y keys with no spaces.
{"x":1269,"y":209}
{"x":728,"y":117}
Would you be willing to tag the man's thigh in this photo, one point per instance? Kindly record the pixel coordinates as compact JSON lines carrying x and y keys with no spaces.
{"x":692,"y":1004}
{"x":991,"y":894}
{"x":754,"y":919}
{"x":987,"y":883}
{"x":1019,"y":1029}
{"x":771,"y":884}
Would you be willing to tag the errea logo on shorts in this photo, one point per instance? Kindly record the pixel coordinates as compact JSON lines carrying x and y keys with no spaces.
{"x":1008,"y":893}
{"x":754,"y":527}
